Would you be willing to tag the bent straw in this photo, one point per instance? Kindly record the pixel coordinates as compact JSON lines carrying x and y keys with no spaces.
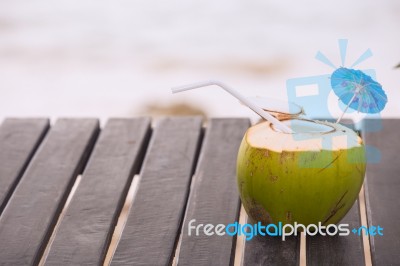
{"x":279,"y":125}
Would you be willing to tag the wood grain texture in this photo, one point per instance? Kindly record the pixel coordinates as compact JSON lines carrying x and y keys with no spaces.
{"x":155,"y":217}
{"x":29,"y":218}
{"x":87,"y":227}
{"x":338,"y":250}
{"x":267,"y":250}
{"x":19,"y":139}
{"x":214,"y":197}
{"x":382,"y":190}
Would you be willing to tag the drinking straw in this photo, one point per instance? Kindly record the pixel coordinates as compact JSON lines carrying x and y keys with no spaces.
{"x":279,"y":125}
{"x":348,"y":105}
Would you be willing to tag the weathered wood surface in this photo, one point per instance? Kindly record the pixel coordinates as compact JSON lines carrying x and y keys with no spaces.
{"x":267,"y":250}
{"x":382,"y":190}
{"x":38,"y":169}
{"x":214,"y":197}
{"x":29,"y":218}
{"x":338,"y":250}
{"x":19,"y":139}
{"x":153,"y":225}
{"x":85,"y":232}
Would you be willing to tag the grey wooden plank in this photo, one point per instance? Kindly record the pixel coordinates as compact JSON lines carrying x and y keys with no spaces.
{"x":19,"y":139}
{"x":338,"y":250}
{"x":382,"y":190}
{"x":214,"y":197}
{"x":268,"y":250}
{"x":151,"y":231}
{"x":85,"y":232}
{"x":28,"y":219}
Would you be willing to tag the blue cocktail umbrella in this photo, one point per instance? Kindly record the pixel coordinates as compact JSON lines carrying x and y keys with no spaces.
{"x":358,"y":91}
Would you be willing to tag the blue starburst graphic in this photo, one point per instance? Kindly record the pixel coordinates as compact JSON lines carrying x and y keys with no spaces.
{"x":312,"y":93}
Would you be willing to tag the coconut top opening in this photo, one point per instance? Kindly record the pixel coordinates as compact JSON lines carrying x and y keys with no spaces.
{"x":309,"y":136}
{"x":305,"y":126}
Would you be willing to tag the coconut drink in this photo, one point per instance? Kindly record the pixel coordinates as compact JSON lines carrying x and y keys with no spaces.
{"x":311,"y":176}
{"x":293,"y":169}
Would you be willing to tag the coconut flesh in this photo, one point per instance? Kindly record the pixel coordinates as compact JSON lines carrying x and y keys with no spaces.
{"x":311,"y":176}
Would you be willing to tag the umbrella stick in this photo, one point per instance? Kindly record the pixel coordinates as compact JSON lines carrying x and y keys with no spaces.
{"x":347,"y":107}
{"x":244,"y":100}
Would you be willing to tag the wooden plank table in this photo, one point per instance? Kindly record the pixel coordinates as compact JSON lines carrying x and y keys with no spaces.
{"x":178,"y":171}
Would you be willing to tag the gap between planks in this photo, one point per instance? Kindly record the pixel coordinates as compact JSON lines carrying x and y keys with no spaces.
{"x":363,"y":217}
{"x":178,"y":244}
{"x":123,"y":217}
{"x":175,"y":256}
{"x":364,"y":222}
{"x":60,"y":217}
{"x":240,"y":240}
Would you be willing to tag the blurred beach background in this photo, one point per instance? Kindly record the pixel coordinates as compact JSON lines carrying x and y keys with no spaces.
{"x":120,"y":58}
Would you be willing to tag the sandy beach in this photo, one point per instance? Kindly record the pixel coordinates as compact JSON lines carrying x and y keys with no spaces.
{"x":104,"y":59}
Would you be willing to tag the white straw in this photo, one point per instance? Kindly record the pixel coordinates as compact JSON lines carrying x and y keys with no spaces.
{"x":279,"y":125}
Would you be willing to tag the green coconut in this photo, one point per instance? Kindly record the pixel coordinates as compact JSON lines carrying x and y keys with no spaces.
{"x":311,"y":176}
